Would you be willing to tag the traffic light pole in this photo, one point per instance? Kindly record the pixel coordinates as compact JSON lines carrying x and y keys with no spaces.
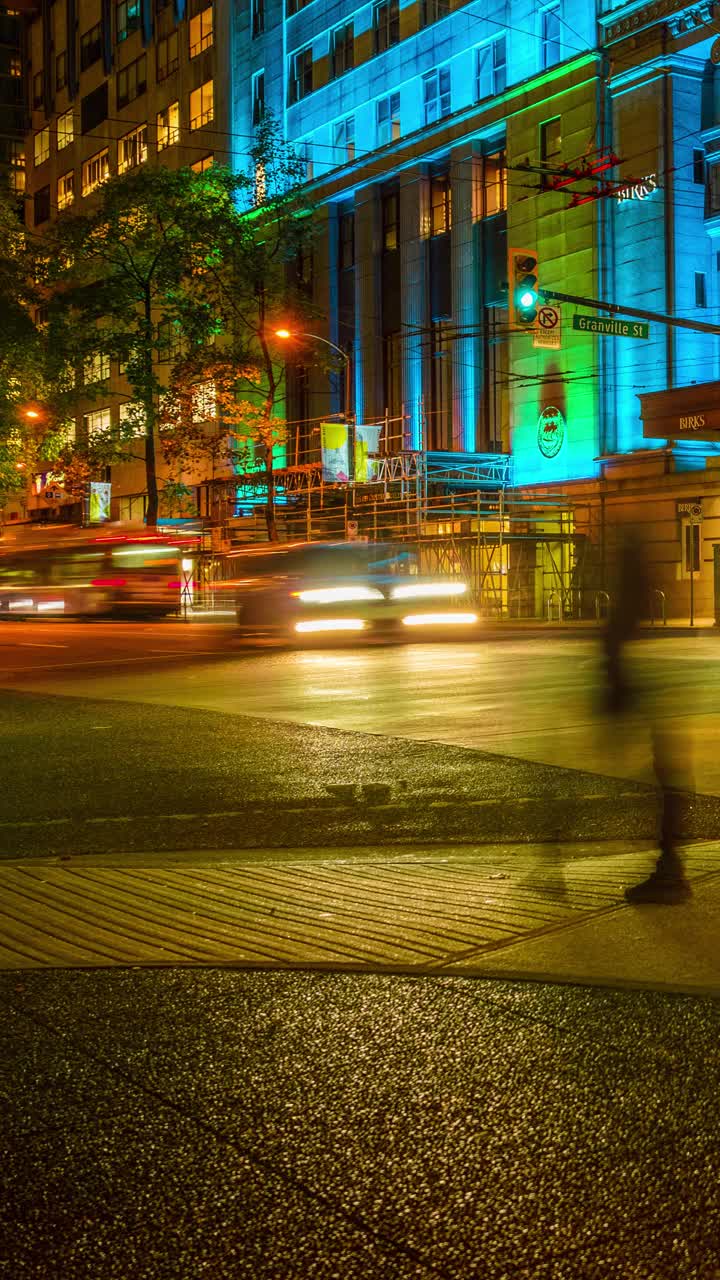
{"x":550,"y":295}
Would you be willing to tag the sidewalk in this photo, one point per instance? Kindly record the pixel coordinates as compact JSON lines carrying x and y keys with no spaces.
{"x":550,"y":913}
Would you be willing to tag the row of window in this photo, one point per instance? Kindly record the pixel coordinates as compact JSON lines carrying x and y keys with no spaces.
{"x":134,"y":143}
{"x":127,"y":20}
{"x":492,"y":56}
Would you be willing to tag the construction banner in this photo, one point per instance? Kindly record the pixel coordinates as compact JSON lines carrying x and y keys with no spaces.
{"x":367,"y":442}
{"x":335,"y":445}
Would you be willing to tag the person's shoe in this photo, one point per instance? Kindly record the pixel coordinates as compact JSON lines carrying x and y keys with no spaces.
{"x":659,"y":888}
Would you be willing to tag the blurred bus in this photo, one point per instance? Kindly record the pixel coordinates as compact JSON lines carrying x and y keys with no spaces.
{"x":78,"y":573}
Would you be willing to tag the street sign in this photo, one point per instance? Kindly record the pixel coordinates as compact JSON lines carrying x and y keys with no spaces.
{"x":547,"y":333}
{"x":611,"y":328}
{"x":693,"y":511}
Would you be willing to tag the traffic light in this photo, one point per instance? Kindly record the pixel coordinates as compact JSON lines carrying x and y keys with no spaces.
{"x":523,"y":288}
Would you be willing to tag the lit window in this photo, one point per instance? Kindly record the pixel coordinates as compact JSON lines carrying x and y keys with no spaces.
{"x":169,"y":343}
{"x":168,"y":126}
{"x":491,"y":73}
{"x":95,"y":171}
{"x":41,"y":151}
{"x":343,"y":136}
{"x":342,"y":50}
{"x":96,"y":422}
{"x":127,"y":14}
{"x":390,"y":221}
{"x":440,"y":205}
{"x":492,"y":196}
{"x":204,"y":402}
{"x":258,"y":96}
{"x":132,"y":81}
{"x":66,"y":190}
{"x":386,"y":24}
{"x":132,"y":419}
{"x":436,"y":94}
{"x":260,"y":182}
{"x":16,"y":160}
{"x":168,"y":56}
{"x":96,"y":368}
{"x":301,"y":74}
{"x":201,"y":31}
{"x":201,"y":105}
{"x":132,"y":149}
{"x":388,"y":119}
{"x":202,"y":166}
{"x":65,"y":130}
{"x":15,"y":66}
{"x":550,"y":35}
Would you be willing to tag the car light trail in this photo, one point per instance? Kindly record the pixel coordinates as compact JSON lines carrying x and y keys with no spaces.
{"x":330,"y":624}
{"x":335,"y":595}
{"x":439,"y":619}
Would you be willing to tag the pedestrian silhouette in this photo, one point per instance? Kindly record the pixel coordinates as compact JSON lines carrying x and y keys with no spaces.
{"x":632,"y":587}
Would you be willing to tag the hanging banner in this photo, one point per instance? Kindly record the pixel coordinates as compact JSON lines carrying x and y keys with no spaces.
{"x":335,"y":452}
{"x":99,"y":502}
{"x":367,"y":442}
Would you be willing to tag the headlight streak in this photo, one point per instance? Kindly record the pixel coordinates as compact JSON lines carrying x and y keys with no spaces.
{"x":428,"y":590}
{"x":337,"y":595}
{"x":329,"y":624}
{"x":439,"y":619}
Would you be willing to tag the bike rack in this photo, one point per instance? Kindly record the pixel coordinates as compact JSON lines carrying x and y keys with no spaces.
{"x":604,"y":595}
{"x":556,"y":598}
{"x":658,"y":594}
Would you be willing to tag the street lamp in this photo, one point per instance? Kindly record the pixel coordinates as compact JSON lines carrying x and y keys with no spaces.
{"x":344,"y":356}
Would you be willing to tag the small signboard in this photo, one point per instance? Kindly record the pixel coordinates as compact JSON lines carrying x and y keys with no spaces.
{"x":611,"y":328}
{"x":547,"y":332}
{"x":692,"y":510}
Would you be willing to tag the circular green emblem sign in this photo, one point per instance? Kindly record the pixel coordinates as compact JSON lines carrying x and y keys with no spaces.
{"x":550,"y":432}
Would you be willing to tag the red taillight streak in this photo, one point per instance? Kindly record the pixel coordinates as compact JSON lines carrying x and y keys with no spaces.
{"x":109,"y":582}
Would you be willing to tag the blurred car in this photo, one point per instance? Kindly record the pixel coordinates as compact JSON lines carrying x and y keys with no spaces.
{"x":307,"y":590}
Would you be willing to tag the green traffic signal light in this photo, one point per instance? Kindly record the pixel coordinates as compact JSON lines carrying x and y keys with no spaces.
{"x":525,"y":287}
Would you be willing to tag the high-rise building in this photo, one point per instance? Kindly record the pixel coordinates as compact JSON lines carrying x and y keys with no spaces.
{"x":12,"y":99}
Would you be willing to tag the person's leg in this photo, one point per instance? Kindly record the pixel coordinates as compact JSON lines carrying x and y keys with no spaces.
{"x":667,"y":882}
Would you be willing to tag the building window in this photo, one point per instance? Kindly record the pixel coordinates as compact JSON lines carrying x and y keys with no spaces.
{"x":41,"y":205}
{"x":388,"y":119}
{"x":491,"y":71}
{"x":66,"y":190}
{"x":15,"y":66}
{"x":439,"y":427}
{"x":551,"y":142}
{"x":167,"y":55}
{"x":390,"y":221}
{"x":202,"y":166}
{"x":550,"y":35}
{"x":94,"y":108}
{"x":96,"y":368}
{"x":15,"y":159}
{"x":96,"y":422}
{"x":258,"y":96}
{"x":37,"y":89}
{"x":61,"y":70}
{"x":201,"y":105}
{"x":131,"y":419}
{"x":301,"y":74}
{"x":700,"y":289}
{"x":258,"y":17}
{"x":386,"y":24}
{"x":65,"y":130}
{"x":433,"y":10}
{"x":341,"y":50}
{"x":436,"y":94}
{"x":346,"y":241}
{"x":132,"y":82}
{"x":91,"y":47}
{"x":95,"y":171}
{"x":132,"y":149}
{"x":699,"y":168}
{"x":260,"y":183}
{"x":201,"y":31}
{"x":294,"y":6}
{"x":343,"y":136}
{"x":169,"y":343}
{"x":491,"y":192}
{"x":127,"y":18}
{"x":41,"y":146}
{"x":168,"y":126}
{"x":440,"y":205}
{"x":392,"y":388}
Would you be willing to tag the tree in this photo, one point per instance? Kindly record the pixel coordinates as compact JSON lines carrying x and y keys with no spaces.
{"x":259,"y":283}
{"x":127,"y":275}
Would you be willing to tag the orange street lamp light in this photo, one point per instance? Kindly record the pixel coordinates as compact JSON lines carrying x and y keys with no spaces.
{"x":344,"y":356}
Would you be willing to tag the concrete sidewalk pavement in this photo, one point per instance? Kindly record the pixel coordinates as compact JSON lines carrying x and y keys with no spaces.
{"x":554,"y":913}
